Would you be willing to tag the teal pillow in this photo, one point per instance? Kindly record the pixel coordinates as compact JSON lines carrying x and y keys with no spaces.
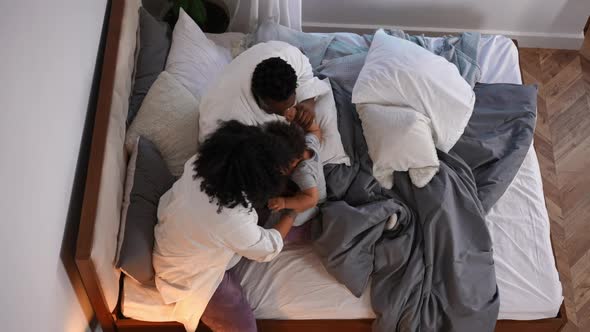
{"x":313,"y":46}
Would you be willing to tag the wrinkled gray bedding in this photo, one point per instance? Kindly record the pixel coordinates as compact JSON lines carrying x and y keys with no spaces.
{"x":461,"y":50}
{"x":435,"y":270}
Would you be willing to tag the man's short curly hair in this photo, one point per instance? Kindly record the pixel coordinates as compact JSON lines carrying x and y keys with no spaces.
{"x":292,"y":134}
{"x":242,"y":165}
{"x":274,"y":79}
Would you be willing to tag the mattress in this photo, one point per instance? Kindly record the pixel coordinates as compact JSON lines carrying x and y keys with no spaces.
{"x":295,"y":285}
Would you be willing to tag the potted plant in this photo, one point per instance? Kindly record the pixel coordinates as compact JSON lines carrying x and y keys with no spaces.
{"x":211,"y":16}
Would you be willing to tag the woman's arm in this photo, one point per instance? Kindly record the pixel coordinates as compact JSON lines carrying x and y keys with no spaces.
{"x":285,"y":222}
{"x":248,"y":239}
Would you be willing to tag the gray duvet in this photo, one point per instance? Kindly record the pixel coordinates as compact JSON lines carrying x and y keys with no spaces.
{"x":434,"y":271}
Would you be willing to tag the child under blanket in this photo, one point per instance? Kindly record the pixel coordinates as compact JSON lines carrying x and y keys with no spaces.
{"x":306,"y":172}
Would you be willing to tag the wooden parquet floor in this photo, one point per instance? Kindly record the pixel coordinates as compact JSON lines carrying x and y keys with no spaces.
{"x":562,"y":141}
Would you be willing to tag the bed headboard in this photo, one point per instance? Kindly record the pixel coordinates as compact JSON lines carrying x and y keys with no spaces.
{"x":101,"y":209}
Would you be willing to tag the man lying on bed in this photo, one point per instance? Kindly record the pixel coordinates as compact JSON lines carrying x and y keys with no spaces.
{"x":259,"y":86}
{"x":206,"y":223}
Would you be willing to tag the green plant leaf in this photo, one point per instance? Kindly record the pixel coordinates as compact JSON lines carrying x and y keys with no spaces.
{"x":196,"y":10}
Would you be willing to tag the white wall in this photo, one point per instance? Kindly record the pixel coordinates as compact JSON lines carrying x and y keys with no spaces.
{"x":535,"y":23}
{"x":47,"y":58}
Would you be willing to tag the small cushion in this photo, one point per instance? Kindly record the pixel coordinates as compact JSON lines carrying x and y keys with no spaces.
{"x":398,"y":139}
{"x":194,"y":60}
{"x":148,"y":178}
{"x":331,"y":149}
{"x":169,"y":118}
{"x":154,"y":43}
{"x":399,"y":72}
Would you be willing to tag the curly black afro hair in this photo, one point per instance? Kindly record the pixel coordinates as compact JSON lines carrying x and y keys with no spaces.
{"x":274,"y":79}
{"x":292,"y":134}
{"x":242,"y":165}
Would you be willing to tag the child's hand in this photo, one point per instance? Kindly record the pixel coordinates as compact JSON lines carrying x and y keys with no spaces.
{"x":305,"y":115}
{"x":276,"y":204}
{"x":290,"y":114}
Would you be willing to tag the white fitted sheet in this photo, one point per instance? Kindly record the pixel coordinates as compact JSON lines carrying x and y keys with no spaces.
{"x":296,"y":286}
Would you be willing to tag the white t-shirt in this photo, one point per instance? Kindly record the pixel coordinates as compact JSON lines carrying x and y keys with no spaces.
{"x":195,"y":245}
{"x":230,"y":96}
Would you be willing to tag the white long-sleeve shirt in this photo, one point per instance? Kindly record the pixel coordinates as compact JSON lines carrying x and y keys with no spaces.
{"x":230,"y":96}
{"x":195,"y":245}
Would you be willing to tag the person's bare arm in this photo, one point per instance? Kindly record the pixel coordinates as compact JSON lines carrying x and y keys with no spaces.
{"x":315,"y":129}
{"x":305,"y":115}
{"x":301,"y":201}
{"x":285,"y":222}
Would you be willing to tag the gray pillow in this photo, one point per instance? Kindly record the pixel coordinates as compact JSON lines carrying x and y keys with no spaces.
{"x":313,"y":46}
{"x":148,"y":179}
{"x":343,"y":71}
{"x":154,"y":43}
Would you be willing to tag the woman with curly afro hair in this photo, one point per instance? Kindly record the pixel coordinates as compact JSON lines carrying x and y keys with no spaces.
{"x":207,"y":222}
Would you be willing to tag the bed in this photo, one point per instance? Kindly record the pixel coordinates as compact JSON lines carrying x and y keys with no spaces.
{"x":298,"y":293}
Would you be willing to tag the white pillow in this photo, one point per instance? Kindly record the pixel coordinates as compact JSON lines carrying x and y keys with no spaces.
{"x":399,"y":72}
{"x":169,"y":118}
{"x":399,"y":139}
{"x":194,"y":60}
{"x":332,"y":151}
{"x":232,"y":41}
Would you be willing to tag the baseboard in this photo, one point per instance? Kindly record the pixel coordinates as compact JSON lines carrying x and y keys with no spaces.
{"x":525,"y":39}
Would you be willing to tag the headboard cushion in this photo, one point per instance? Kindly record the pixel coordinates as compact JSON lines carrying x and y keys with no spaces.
{"x":108,"y":213}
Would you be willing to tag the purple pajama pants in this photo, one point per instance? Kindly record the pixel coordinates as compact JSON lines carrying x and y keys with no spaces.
{"x":228,"y":310}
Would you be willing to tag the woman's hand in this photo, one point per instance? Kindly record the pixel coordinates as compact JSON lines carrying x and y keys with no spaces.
{"x":276,"y":204}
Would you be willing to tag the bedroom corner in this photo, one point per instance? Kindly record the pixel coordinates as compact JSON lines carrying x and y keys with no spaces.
{"x":437,"y":152}
{"x":51,"y":60}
